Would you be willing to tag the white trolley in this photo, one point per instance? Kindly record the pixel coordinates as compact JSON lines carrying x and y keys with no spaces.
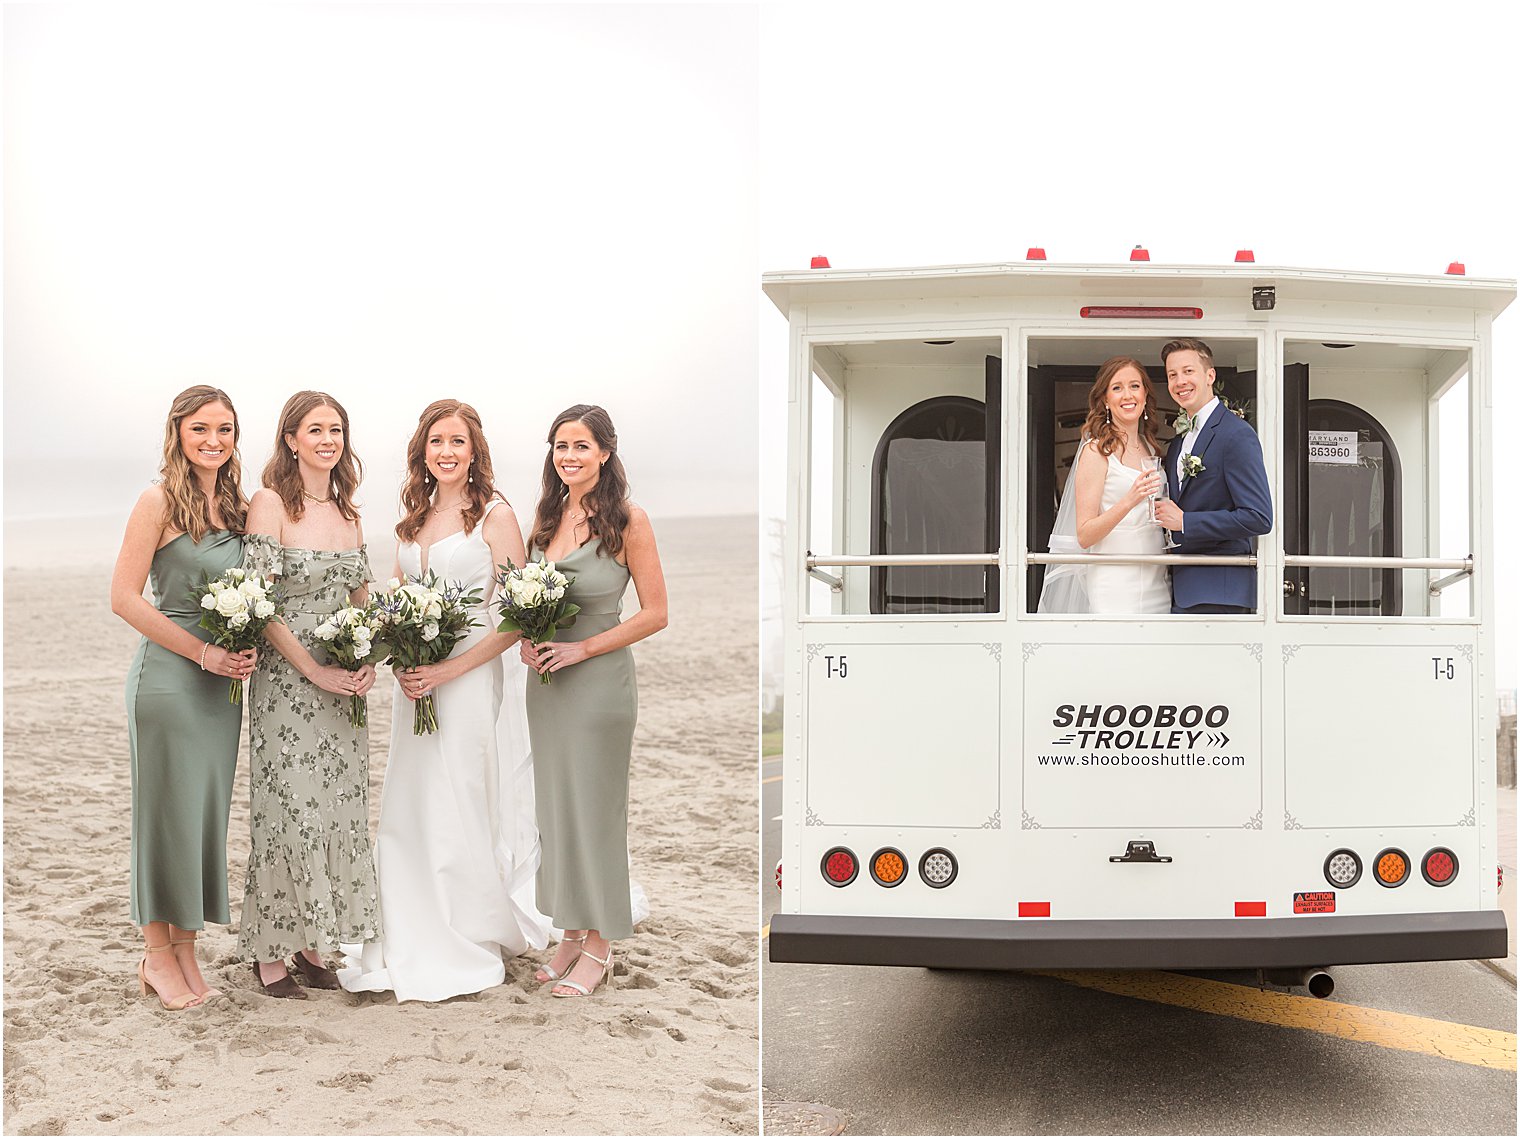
{"x":970,"y":783}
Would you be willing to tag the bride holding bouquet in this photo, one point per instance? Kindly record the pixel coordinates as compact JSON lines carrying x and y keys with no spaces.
{"x":457,"y":848}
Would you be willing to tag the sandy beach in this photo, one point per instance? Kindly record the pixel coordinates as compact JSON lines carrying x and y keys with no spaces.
{"x":673,"y":1049}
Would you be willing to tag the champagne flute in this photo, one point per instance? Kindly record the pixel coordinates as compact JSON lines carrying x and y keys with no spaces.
{"x":1157,"y":463}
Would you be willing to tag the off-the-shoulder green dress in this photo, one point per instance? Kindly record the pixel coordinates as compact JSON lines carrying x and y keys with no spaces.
{"x":311,"y":868}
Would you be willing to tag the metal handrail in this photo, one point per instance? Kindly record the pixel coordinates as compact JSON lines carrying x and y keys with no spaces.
{"x":1443,"y":583}
{"x":1142,"y":559}
{"x":1320,"y":560}
{"x":1464,"y":566}
{"x":835,"y":584}
{"x":846,"y":560}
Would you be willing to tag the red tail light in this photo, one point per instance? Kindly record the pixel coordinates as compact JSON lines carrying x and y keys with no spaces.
{"x":1439,"y":866}
{"x":840,"y":866}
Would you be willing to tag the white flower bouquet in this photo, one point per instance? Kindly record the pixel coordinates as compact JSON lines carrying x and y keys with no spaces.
{"x":532,"y":602}
{"x":420,"y":620}
{"x":351,"y":638}
{"x":235,"y":608}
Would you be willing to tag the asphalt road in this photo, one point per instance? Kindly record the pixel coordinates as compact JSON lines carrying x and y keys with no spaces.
{"x":914,"y":1051}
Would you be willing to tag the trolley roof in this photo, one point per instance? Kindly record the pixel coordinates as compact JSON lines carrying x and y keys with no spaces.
{"x":1138,"y":279}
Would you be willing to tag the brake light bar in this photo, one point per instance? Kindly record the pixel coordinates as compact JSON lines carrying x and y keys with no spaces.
{"x":1155,"y":312}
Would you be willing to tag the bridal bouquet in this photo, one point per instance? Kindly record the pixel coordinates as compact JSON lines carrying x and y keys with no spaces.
{"x":235,"y":608}
{"x":532,"y":602}
{"x":421,"y":620}
{"x":350,"y":636}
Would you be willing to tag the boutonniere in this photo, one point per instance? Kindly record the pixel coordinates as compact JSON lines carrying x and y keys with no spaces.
{"x":1183,"y":423}
{"x":1192,"y":467}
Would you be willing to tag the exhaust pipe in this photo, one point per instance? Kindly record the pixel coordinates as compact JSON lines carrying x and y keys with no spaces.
{"x":1314,"y":978}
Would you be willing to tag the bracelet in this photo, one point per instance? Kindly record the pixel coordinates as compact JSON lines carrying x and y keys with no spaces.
{"x":204,"y":647}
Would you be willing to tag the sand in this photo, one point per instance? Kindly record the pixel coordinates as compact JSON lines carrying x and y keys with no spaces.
{"x":672,"y":1050}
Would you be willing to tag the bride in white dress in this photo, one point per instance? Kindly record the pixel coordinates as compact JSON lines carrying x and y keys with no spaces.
{"x":1105,"y":508}
{"x":457,"y":849}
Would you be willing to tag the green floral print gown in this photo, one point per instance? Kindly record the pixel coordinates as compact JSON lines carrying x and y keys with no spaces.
{"x":311,"y":870}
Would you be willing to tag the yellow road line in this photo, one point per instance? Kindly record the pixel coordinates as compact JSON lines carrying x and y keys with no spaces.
{"x":1464,"y":1043}
{"x":765,"y":931}
{"x":770,"y":779}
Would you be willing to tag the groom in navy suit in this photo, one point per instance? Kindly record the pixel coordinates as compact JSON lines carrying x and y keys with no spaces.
{"x":1219,"y":501}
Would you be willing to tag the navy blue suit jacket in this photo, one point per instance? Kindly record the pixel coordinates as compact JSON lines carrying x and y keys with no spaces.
{"x":1224,"y":509}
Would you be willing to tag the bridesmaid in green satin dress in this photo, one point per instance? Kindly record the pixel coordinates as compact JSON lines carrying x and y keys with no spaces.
{"x":182,"y":728}
{"x":581,"y":723}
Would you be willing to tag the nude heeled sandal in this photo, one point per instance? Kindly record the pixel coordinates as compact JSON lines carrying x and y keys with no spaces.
{"x":209,"y":993}
{"x":550,"y":975}
{"x":580,"y":989}
{"x":189,"y":1000}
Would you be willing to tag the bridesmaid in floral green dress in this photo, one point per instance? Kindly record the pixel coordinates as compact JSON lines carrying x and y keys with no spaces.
{"x":311,"y":877}
{"x":182,"y":728}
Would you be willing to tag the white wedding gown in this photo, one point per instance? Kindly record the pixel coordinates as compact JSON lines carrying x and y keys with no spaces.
{"x":457,"y":849}
{"x":1128,"y":588}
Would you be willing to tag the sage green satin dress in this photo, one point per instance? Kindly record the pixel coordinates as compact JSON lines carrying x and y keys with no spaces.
{"x":183,"y":732}
{"x":581,"y":728}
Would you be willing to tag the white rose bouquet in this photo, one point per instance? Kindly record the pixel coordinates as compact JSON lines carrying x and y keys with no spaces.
{"x":351,"y":638}
{"x":235,"y":608}
{"x":532,"y":602}
{"x":420,"y":621}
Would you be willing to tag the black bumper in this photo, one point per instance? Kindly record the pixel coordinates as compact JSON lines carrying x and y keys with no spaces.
{"x":1178,"y":943}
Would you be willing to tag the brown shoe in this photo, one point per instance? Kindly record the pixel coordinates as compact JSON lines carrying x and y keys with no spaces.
{"x":317,"y":976}
{"x":285,"y":987}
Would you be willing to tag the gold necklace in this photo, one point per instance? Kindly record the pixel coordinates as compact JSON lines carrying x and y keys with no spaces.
{"x":314,"y":498}
{"x":451,"y":506}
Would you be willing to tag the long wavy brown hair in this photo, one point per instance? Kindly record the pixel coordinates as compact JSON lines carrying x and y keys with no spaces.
{"x":417,"y":490}
{"x":282,"y":474}
{"x":1100,"y":428}
{"x":187,"y":509}
{"x":606,"y":505}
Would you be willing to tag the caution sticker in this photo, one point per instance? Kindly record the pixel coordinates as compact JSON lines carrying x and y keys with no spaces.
{"x":1314,"y":902}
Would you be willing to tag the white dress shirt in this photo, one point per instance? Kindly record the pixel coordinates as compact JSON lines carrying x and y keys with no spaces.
{"x":1192,"y":436}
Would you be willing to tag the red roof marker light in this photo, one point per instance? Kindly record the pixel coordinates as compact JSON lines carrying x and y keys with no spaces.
{"x":819,"y":263}
{"x":1456,"y":269}
{"x":1036,"y":253}
{"x":1244,"y":255}
{"x":1155,"y":312}
{"x":1139,"y":253}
